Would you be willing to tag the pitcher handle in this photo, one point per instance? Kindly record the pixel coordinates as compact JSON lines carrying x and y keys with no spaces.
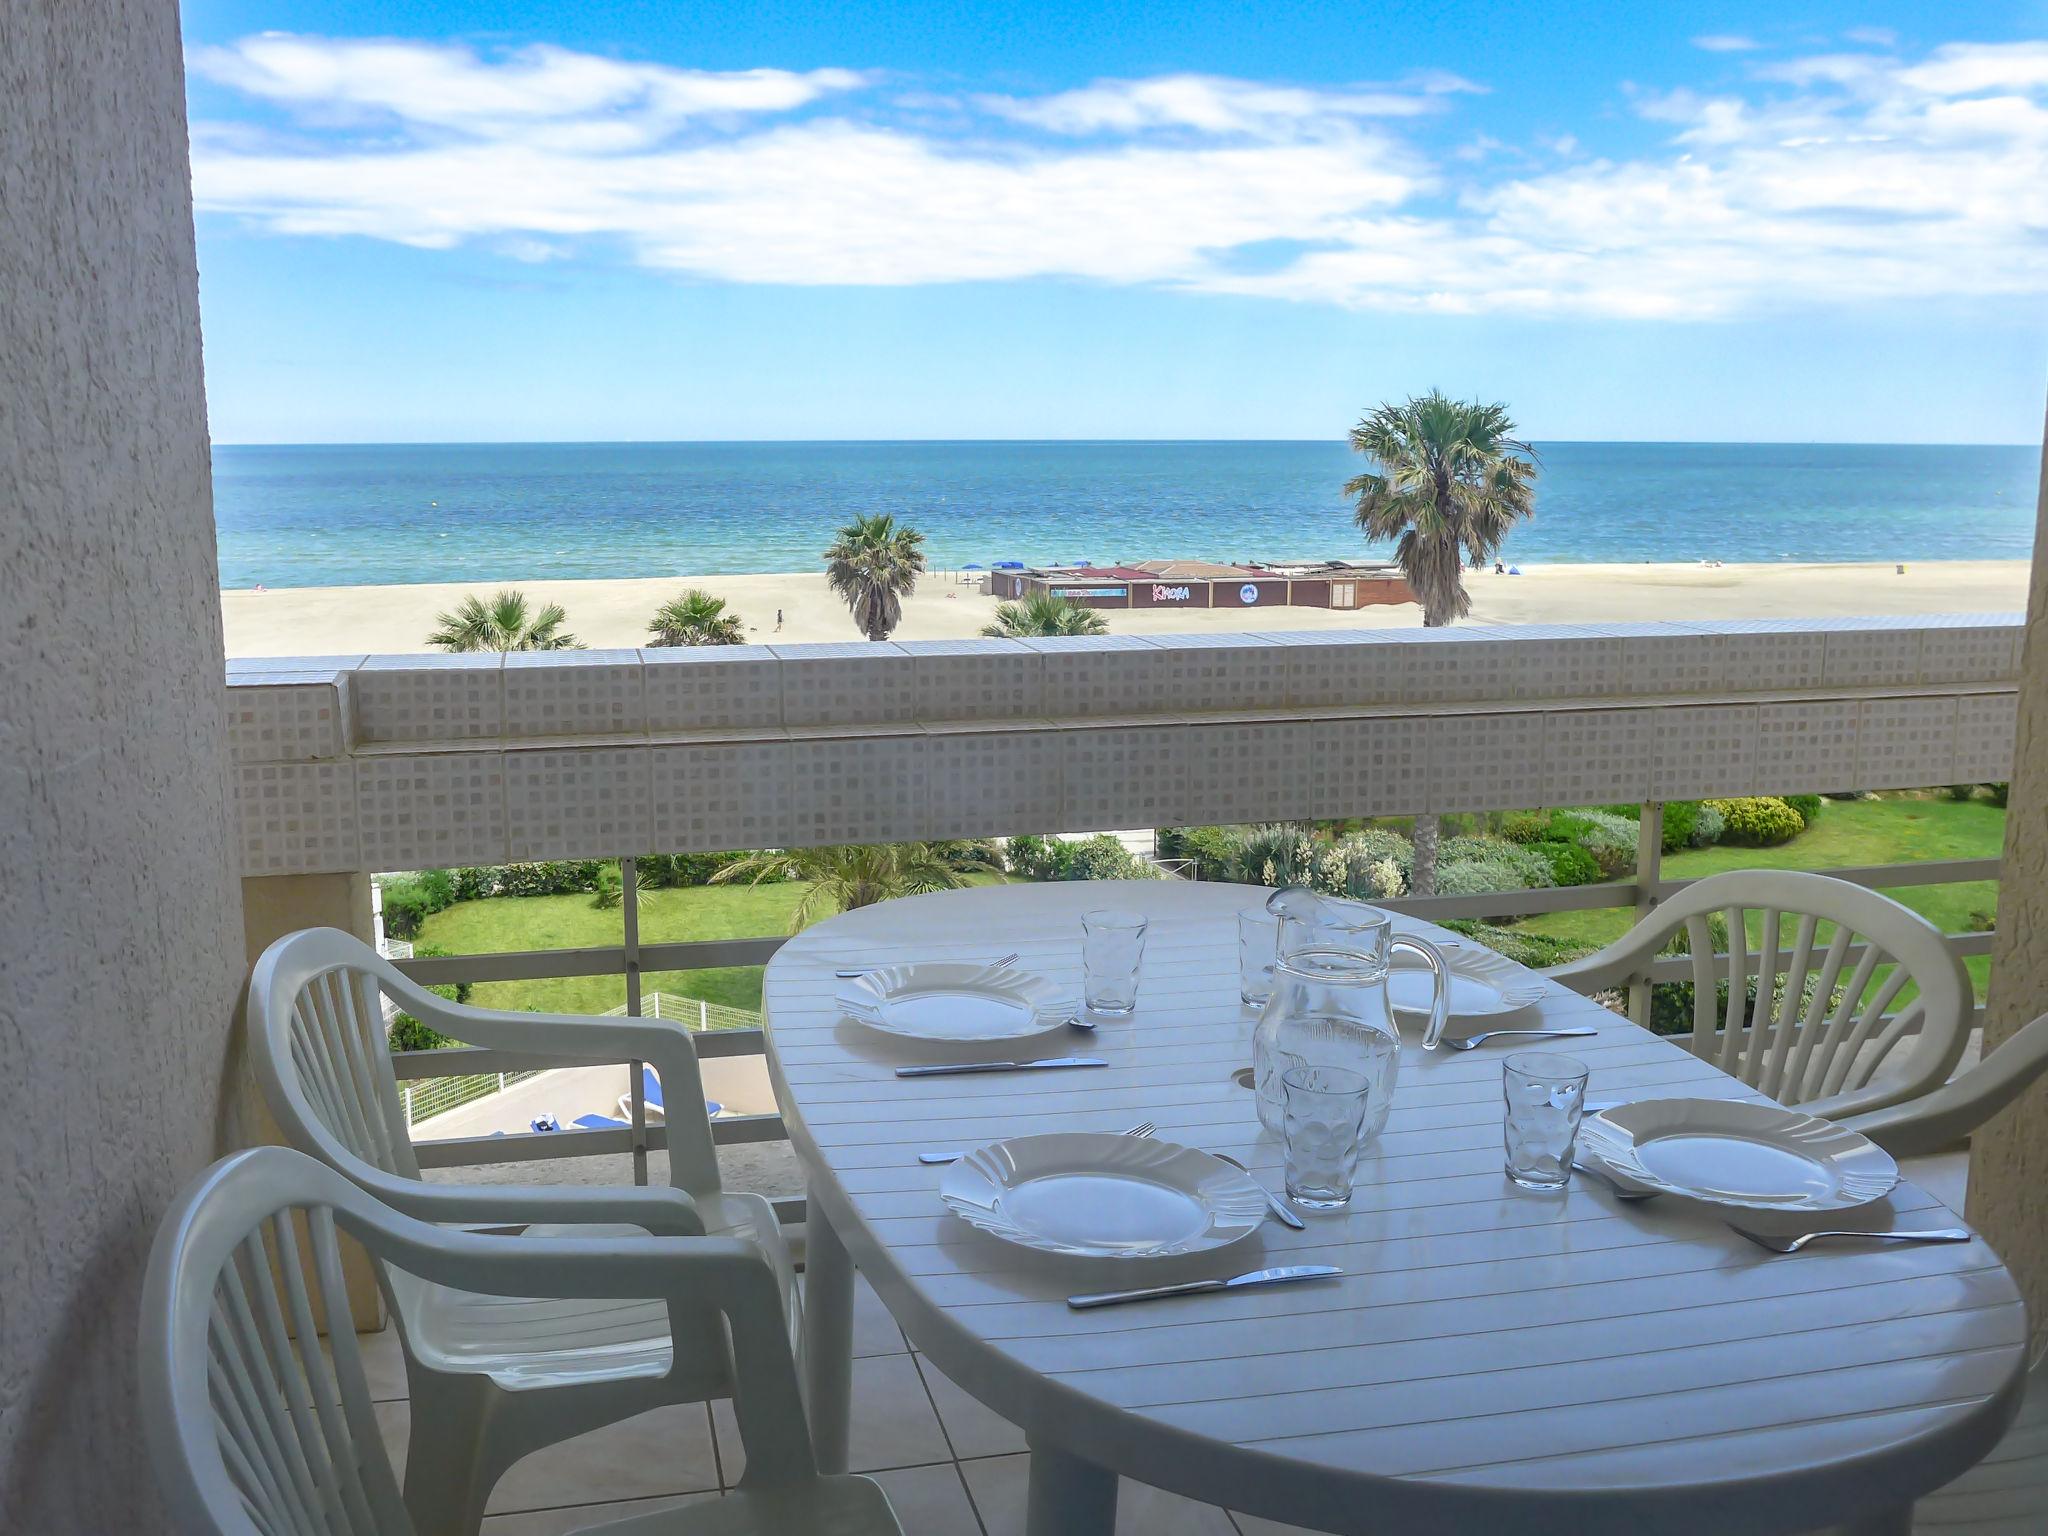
{"x":1440,"y":996}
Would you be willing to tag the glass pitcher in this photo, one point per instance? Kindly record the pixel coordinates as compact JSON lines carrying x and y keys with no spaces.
{"x":1329,"y":1001}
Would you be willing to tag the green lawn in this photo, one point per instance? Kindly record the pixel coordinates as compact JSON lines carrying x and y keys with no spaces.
{"x":571,"y":922}
{"x":1893,"y":830}
{"x":676,"y":916}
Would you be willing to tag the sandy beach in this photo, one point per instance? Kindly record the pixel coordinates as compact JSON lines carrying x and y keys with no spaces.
{"x":330,"y":621}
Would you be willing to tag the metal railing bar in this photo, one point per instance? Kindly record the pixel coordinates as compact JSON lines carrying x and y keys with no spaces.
{"x":1880,"y":876}
{"x":607,"y":960}
{"x":1494,"y":904}
{"x":462,"y":1060}
{"x":540,"y":1146}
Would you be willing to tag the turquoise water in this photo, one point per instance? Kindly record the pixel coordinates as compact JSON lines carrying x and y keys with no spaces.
{"x":341,"y":516}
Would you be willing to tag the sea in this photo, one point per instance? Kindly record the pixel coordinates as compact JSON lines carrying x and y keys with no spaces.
{"x":316,"y":516}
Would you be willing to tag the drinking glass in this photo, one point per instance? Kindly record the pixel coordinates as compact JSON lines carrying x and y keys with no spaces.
{"x":1258,"y":937}
{"x":1545,"y":1096}
{"x":1324,"y":1126}
{"x":1112,"y":945}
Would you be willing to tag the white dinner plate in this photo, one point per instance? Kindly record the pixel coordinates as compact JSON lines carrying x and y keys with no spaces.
{"x":1484,"y":985}
{"x":956,"y":1001}
{"x":1759,"y":1156}
{"x":1097,"y":1194}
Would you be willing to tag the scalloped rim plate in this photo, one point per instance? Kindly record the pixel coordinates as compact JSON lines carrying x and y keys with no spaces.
{"x":1731,"y":1152}
{"x":1484,"y":985}
{"x":956,"y":1002}
{"x":1097,"y":1194}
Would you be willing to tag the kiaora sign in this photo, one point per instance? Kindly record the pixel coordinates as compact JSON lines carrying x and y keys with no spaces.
{"x":1162,"y":594}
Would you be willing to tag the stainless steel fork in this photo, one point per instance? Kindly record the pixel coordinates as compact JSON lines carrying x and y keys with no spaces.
{"x":1794,"y":1244}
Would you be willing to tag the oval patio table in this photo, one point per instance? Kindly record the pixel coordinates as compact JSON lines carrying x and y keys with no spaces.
{"x":1491,"y":1360}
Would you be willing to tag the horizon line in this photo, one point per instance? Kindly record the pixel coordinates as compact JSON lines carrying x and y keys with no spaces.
{"x":1078,"y":442}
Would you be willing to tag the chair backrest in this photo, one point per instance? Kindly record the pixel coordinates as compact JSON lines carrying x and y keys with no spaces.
{"x":317,"y":1039}
{"x":252,"y":1426}
{"x":1819,"y":1026}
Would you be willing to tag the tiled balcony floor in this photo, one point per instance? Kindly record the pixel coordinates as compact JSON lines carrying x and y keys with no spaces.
{"x":950,"y":1466}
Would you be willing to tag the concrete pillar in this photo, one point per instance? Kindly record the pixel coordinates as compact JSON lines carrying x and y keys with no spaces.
{"x":2009,"y":1157}
{"x":120,"y":912}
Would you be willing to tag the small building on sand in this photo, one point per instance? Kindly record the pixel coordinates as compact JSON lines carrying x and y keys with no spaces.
{"x":1204,"y":584}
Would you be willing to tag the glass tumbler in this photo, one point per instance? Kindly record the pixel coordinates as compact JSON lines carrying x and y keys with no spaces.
{"x":1545,"y":1096}
{"x":1112,"y":947}
{"x":1258,"y":940}
{"x":1323,"y":1129}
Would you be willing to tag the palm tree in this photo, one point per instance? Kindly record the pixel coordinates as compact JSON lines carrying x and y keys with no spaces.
{"x":1041,"y":616}
{"x":502,"y":625}
{"x":871,"y":565}
{"x":1451,"y":480}
{"x":695,"y":617}
{"x":847,"y":875}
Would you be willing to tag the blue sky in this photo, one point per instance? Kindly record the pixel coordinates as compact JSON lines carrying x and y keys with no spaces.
{"x":430,"y":222}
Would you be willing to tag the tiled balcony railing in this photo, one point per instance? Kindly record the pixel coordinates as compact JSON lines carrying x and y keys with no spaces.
{"x":390,"y":762}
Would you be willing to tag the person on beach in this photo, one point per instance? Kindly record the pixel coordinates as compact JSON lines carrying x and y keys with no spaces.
{"x":778,"y":621}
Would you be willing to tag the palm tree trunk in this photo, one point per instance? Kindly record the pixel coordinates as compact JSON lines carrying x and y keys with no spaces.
{"x":1423,"y":881}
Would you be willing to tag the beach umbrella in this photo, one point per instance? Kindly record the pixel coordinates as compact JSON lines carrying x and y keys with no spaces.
{"x":973,"y":566}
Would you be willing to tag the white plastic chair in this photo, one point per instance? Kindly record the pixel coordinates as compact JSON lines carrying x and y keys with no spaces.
{"x":494,"y":1380}
{"x":2005,"y":1494}
{"x":1823,"y":1057}
{"x":256,"y":1430}
{"x":1948,"y":1115}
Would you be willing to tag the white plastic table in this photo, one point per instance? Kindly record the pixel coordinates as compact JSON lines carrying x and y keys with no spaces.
{"x":1492,"y":1360}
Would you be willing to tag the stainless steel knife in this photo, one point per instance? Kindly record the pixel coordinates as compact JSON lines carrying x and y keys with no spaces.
{"x":1049,"y":1064}
{"x":1196,"y":1287}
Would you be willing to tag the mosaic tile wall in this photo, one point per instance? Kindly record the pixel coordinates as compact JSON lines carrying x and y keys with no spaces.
{"x":388,"y":762}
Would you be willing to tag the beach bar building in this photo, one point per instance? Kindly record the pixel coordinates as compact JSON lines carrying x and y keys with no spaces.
{"x":1488,"y":1359}
{"x":1206,"y":584}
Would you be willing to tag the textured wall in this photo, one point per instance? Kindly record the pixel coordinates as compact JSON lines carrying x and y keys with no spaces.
{"x":120,"y":921}
{"x":2009,"y":1158}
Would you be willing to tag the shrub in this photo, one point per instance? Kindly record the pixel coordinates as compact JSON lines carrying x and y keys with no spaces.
{"x":1708,"y":826}
{"x":1959,"y":792}
{"x":610,"y":890}
{"x":1569,"y":863}
{"x":410,"y":900}
{"x":409,"y":1034}
{"x":1671,"y":1002}
{"x":1276,"y":854}
{"x":1102,"y":857}
{"x":1468,"y":866}
{"x":970,"y":855}
{"x":1759,"y":821}
{"x":1981,"y":921}
{"x":1610,"y":839}
{"x":1998,"y":793}
{"x":1030,"y":856}
{"x":1212,"y":849}
{"x":1680,"y":818}
{"x":1808,"y":806}
{"x":1373,"y":865}
{"x":1526,"y":826}
{"x":1537,"y":950}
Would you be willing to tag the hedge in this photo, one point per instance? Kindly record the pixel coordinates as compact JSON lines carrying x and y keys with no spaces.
{"x":1759,"y":821}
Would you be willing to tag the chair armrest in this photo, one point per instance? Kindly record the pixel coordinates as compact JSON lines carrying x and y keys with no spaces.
{"x":1591,"y":973}
{"x":1945,"y":1116}
{"x":662,"y":1210}
{"x":661,"y":1043}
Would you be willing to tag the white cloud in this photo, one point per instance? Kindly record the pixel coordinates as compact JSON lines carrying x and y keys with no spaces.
{"x":1837,"y":178}
{"x":1726,"y":42}
{"x":578,"y":100}
{"x":1209,"y":104}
